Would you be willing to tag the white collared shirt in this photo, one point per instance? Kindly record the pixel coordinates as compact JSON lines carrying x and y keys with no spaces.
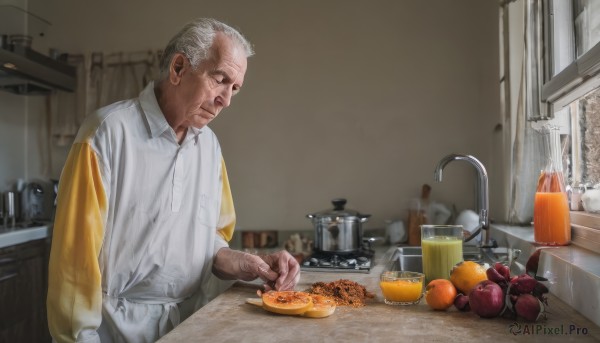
{"x":145,"y":213}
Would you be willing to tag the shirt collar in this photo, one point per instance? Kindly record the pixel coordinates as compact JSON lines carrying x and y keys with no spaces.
{"x":155,"y":117}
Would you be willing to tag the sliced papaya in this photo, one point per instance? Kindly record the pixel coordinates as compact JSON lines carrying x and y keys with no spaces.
{"x":322,"y":307}
{"x":254,"y":301}
{"x":287,"y":302}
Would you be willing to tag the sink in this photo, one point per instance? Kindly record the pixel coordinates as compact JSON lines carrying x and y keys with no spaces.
{"x":409,"y":258}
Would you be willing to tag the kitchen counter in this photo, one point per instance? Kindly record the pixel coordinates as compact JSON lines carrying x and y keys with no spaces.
{"x":20,"y":235}
{"x":229,"y":319}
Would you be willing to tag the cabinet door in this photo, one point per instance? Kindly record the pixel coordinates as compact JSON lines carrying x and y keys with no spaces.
{"x":23,"y":293}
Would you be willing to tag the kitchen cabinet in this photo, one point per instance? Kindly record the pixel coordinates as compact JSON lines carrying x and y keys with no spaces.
{"x":23,"y":288}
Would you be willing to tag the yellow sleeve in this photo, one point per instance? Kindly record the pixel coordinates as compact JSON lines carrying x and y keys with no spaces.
{"x":226,"y":223}
{"x":74,"y":289}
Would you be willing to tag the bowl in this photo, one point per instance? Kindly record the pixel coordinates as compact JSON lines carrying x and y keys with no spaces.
{"x":401,"y":287}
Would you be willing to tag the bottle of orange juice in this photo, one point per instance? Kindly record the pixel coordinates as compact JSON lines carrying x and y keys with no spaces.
{"x":551,"y":221}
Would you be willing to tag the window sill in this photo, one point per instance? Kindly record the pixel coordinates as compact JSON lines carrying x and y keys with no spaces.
{"x":586,"y":230}
{"x":573,"y":271}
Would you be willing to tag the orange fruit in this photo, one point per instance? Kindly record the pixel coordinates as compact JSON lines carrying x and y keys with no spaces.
{"x":465,"y":275}
{"x":440,"y":294}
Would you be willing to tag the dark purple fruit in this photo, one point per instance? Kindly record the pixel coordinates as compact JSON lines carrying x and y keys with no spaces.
{"x":529,"y":307}
{"x":461,"y":302}
{"x":523,"y":284}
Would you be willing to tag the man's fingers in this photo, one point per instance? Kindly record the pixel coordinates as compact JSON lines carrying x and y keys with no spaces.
{"x":291,"y":276}
{"x":266,"y":273}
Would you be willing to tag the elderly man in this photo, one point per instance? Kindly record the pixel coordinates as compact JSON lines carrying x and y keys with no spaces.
{"x":144,"y":209}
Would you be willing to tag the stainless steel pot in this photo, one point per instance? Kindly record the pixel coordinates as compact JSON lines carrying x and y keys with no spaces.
{"x":338,"y":230}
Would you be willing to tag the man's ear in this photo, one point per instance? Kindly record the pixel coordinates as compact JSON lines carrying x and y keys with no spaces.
{"x":177,"y":68}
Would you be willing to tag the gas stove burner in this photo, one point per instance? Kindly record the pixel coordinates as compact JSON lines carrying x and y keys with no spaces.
{"x":330,"y":262}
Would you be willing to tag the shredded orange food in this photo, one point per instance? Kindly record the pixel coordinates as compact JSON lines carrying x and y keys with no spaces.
{"x":344,"y":292}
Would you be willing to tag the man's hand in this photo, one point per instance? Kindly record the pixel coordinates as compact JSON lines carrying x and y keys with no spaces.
{"x":287,"y":268}
{"x":279,"y":271}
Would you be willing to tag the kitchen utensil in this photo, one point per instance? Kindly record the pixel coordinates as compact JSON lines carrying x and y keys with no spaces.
{"x":11,"y":213}
{"x":1,"y":210}
{"x":396,"y":232}
{"x":470,"y":222}
{"x":23,"y":40}
{"x":34,"y":197}
{"x":417,"y":215}
{"x":338,"y":230}
{"x":591,"y":200}
{"x":442,"y":249}
{"x":438,"y":213}
{"x":38,"y":201}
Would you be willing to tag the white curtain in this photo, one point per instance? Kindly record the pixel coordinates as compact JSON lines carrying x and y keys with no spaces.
{"x":521,"y":92}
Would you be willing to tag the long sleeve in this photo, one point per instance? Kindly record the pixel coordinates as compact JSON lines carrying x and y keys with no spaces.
{"x":74,"y":285}
{"x":226,"y":223}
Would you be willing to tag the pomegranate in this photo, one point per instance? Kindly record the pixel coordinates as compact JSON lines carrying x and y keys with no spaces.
{"x":529,"y":307}
{"x":494,"y":275}
{"x":487,"y":299}
{"x":523,"y":284}
{"x":532,"y":263}
{"x":502,"y":270}
{"x":539,"y":290}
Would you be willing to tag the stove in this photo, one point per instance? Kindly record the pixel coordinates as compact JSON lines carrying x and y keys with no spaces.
{"x":358,"y":262}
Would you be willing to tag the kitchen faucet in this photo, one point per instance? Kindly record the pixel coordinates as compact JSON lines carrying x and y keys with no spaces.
{"x":482,"y":195}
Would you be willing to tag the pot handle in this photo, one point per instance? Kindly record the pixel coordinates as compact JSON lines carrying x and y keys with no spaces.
{"x":364,"y":217}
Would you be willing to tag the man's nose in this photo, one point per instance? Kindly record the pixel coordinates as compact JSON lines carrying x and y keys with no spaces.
{"x":225,"y":97}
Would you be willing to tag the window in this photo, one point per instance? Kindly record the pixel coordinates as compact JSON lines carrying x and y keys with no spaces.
{"x":571,"y":91}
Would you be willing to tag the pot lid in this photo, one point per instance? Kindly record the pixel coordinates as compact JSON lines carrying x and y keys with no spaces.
{"x":338,"y":211}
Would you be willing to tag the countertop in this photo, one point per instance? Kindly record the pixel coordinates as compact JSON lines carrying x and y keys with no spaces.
{"x":20,"y":235}
{"x":229,"y":319}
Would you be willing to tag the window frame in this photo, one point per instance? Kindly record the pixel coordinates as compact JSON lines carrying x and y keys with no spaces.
{"x":561,"y":89}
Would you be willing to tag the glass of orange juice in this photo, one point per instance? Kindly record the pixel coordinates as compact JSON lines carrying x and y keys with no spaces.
{"x":401,"y":287}
{"x":442,"y":249}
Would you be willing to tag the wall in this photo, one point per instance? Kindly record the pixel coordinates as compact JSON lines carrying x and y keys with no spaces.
{"x":12,"y":130}
{"x":350,"y":99}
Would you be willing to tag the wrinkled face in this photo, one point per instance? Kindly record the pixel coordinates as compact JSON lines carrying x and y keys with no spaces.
{"x":203,"y":92}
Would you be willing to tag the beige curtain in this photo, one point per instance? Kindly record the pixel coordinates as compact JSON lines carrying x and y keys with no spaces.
{"x":67,"y":109}
{"x":101,"y":80}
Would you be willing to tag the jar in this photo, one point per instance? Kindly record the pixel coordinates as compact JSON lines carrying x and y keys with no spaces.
{"x":551,"y":218}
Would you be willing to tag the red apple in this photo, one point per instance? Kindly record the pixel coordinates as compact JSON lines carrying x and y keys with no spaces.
{"x":487,"y":299}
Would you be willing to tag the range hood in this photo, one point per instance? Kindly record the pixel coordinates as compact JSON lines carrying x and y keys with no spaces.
{"x":27,"y":72}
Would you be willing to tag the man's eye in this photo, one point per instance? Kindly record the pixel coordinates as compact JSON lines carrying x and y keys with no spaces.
{"x":219,"y":80}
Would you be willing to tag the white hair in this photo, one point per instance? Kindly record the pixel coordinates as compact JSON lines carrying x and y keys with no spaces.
{"x":195,"y":39}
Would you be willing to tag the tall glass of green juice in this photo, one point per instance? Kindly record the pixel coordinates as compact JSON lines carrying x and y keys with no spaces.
{"x":442,"y":249}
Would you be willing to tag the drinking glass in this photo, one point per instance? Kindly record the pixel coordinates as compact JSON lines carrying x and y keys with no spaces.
{"x":442,"y":249}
